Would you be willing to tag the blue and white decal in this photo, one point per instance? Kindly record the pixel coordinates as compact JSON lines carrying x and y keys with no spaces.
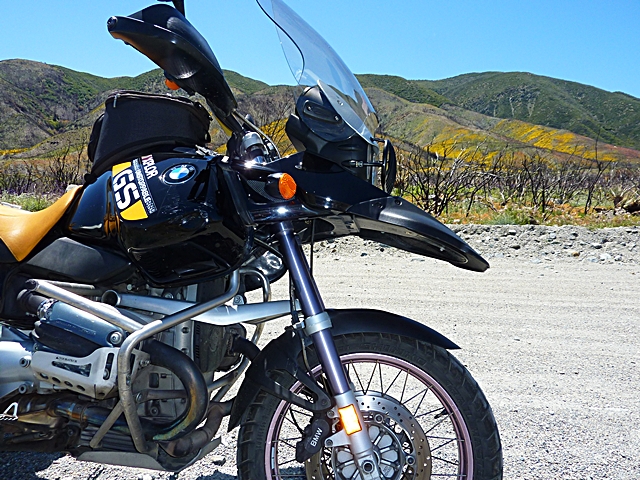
{"x":178,"y":174}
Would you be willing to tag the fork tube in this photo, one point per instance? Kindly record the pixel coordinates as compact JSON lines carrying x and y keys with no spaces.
{"x":311,"y":304}
{"x":309,"y":296}
{"x":330,"y":363}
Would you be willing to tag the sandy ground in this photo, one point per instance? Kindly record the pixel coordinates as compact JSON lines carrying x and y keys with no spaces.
{"x":554,"y":345}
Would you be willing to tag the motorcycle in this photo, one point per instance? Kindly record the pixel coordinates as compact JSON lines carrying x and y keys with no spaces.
{"x":125,"y":319}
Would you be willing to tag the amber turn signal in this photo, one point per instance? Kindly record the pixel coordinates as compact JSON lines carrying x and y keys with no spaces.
{"x":171,"y":84}
{"x":287,"y":186}
{"x":349,"y":419}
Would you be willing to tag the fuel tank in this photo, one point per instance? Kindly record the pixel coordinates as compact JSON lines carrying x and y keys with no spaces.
{"x":171,"y":213}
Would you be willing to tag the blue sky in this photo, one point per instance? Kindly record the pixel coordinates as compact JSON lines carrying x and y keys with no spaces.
{"x":595,"y":42}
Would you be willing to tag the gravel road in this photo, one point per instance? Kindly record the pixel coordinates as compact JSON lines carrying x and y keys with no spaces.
{"x":550,"y":331}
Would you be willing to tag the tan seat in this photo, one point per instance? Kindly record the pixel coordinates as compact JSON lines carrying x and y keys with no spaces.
{"x":21,"y":230}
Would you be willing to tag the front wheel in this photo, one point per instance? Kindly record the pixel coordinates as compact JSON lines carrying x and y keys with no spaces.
{"x":427,"y":418}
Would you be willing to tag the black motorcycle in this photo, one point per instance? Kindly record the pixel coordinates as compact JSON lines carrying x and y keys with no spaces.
{"x":124,"y":308}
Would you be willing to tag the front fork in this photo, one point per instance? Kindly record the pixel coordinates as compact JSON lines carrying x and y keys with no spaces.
{"x":317,"y":326}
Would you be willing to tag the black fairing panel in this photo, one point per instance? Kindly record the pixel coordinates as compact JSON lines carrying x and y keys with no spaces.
{"x":344,"y":322}
{"x":81,"y":263}
{"x":95,"y":218}
{"x":164,"y":35}
{"x":5,"y":254}
{"x":361,"y":209}
{"x":398,"y":223}
{"x":323,"y":184}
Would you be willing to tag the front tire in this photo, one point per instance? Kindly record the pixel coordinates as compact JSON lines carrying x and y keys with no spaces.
{"x":427,"y":418}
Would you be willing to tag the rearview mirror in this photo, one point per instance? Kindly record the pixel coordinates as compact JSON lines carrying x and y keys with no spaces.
{"x":389,"y":167}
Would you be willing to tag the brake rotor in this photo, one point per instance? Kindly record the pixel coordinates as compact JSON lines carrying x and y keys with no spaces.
{"x":400,"y":445}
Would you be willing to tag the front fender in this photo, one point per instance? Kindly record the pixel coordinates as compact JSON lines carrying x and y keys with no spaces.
{"x":282,"y":353}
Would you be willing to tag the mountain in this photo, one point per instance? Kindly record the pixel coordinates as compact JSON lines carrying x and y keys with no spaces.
{"x":403,"y":88}
{"x":38,"y":101}
{"x":613,"y":118}
{"x":451,"y":130}
{"x":44,"y":107}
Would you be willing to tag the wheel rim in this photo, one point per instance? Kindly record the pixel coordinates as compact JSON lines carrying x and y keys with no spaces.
{"x":410,"y":416}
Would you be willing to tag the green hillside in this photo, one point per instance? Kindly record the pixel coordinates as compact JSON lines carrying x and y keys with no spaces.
{"x":44,"y":106}
{"x":611,"y":117}
{"x":451,"y":130}
{"x":243,"y":84}
{"x":407,"y":89}
{"x":39,"y":101}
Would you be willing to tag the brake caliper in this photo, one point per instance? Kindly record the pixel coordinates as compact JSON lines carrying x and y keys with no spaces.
{"x":313,"y":439}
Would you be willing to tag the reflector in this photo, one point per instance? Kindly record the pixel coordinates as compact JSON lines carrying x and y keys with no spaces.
{"x":350,"y":420}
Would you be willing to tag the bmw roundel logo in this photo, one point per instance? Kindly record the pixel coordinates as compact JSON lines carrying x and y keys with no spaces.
{"x":178,"y":174}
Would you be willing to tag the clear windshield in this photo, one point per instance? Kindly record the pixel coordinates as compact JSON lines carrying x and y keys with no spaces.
{"x":314,"y":63}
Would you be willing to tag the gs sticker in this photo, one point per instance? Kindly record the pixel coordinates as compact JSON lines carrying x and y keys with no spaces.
{"x":131,"y":190}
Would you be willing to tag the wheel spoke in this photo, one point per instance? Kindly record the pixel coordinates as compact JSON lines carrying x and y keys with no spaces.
{"x":285,"y":441}
{"x":430,"y":412}
{"x":293,"y":421}
{"x":404,"y":386}
{"x":355,"y":370}
{"x":373,"y":373}
{"x":421,"y":392}
{"x":445,"y":460}
{"x":449,"y":441}
{"x":286,"y":463}
{"x":434,"y":426}
{"x":303,"y":413}
{"x":392,"y":382}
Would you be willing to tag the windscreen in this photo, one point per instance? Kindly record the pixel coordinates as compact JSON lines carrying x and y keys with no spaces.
{"x":314,"y":63}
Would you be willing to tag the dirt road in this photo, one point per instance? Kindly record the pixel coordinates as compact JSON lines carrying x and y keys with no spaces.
{"x":555,"y":346}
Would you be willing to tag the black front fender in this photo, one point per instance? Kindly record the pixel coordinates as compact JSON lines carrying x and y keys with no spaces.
{"x":282,"y":353}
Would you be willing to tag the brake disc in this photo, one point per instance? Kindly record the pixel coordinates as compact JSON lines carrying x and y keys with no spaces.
{"x":400,"y":445}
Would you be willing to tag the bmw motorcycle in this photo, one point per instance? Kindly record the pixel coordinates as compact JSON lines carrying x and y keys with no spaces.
{"x":125,"y":319}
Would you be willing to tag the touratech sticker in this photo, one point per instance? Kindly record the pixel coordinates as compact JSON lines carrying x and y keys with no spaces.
{"x":150,"y":169}
{"x":131,"y":190}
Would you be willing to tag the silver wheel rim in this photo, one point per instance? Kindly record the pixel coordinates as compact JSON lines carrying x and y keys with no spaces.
{"x":424,"y":413}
